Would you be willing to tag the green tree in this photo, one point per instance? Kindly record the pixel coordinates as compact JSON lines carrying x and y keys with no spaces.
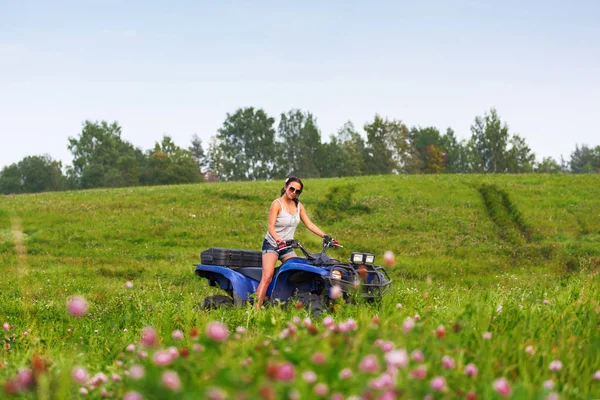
{"x":244,"y":147}
{"x":548,"y":165}
{"x":198,"y":152}
{"x":585,"y":159}
{"x":519,"y":158}
{"x":488,"y":144}
{"x":434,"y":160}
{"x":11,"y":180}
{"x":33,"y":174}
{"x":422,"y":140}
{"x":388,"y":148}
{"x":170,"y":164}
{"x":100,"y":154}
{"x":303,"y":150}
{"x":456,"y":158}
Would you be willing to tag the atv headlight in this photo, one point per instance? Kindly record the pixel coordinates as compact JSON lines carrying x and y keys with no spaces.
{"x":362,"y":258}
{"x":335,"y":274}
{"x":357,"y":258}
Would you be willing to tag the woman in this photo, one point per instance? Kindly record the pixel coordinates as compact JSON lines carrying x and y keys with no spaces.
{"x":284,"y":216}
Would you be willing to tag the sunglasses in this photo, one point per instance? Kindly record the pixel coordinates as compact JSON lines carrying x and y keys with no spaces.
{"x":294,"y":190}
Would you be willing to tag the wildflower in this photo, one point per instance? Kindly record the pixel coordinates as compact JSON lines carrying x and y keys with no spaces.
{"x":318,"y":358}
{"x":321,"y":389}
{"x":419,"y":373}
{"x":198,"y":347}
{"x":130,"y":348}
{"x":240,"y":329}
{"x":83,"y":391}
{"x":79,"y":374}
{"x":398,"y":305}
{"x":335,"y":292}
{"x":447,"y":362}
{"x":77,"y":306}
{"x":552,"y":396}
{"x":384,"y":381}
{"x":177,"y":334}
{"x":408,"y":325}
{"x":307,"y":322}
{"x":129,"y":285}
{"x":369,"y":363}
{"x":162,"y":358}
{"x":388,"y":258}
{"x":6,"y":326}
{"x":438,"y":383}
{"x":149,"y":336}
{"x":387,"y":346}
{"x":417,"y":317}
{"x":346,"y":373}
{"x":194,"y":333}
{"x":555,"y":365}
{"x":502,"y":387}
{"x":296,"y":320}
{"x":471,"y":370}
{"x":549,"y":384}
{"x":417,"y":355}
{"x":440,"y":331}
{"x":487,"y":335}
{"x":136,"y":372}
{"x":397,"y":358}
{"x":24,"y":378}
{"x":309,"y":376}
{"x":142,"y":354}
{"x":98,"y":379}
{"x":529,"y":350}
{"x":351,"y":324}
{"x":597,"y":375}
{"x":171,"y":381}
{"x":285,"y":372}
{"x":217,"y":331}
{"x":132,"y":396}
{"x":115,"y":377}
{"x":499,"y":309}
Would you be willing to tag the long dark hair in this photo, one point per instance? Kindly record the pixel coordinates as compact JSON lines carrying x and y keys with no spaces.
{"x":287,"y":182}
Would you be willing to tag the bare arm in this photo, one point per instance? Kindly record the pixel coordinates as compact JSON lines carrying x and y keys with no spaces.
{"x":275,"y":208}
{"x":309,"y":224}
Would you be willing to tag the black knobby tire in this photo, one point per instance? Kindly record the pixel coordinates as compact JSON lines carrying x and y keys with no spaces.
{"x":312,"y":302}
{"x":212,"y":302}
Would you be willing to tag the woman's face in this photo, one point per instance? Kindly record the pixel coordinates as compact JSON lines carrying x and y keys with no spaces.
{"x":293,"y":190}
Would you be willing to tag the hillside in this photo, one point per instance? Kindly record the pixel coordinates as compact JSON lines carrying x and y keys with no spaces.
{"x":463,"y":246}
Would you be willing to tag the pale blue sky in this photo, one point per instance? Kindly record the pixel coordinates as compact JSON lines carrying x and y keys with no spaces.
{"x":178,"y":67}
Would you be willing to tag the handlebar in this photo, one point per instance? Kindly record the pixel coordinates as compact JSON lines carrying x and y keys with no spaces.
{"x":327,"y":243}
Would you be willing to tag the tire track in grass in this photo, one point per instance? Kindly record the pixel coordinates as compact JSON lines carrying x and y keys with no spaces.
{"x":505,"y":215}
{"x":19,"y":242}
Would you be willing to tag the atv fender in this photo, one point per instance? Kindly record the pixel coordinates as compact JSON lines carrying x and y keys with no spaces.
{"x":283,"y":288}
{"x":231,"y":281}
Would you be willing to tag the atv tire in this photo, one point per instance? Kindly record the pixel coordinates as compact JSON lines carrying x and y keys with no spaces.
{"x":312,"y":303}
{"x":212,"y":302}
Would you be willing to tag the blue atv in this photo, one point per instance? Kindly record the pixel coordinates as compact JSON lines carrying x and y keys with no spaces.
{"x":309,"y":280}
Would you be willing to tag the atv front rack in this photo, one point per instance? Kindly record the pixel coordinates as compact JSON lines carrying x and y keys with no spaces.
{"x":368,"y":281}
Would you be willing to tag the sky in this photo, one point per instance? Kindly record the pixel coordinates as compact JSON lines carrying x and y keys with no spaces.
{"x":177,"y":68}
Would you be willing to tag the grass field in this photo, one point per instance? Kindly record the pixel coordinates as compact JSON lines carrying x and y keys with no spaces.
{"x":498,"y":273}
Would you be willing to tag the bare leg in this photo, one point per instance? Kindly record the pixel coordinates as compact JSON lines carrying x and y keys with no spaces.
{"x":268,"y":267}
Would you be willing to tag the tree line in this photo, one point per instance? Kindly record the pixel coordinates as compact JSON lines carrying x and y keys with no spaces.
{"x":250,"y":146}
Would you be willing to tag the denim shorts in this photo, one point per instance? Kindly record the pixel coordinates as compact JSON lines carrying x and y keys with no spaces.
{"x":269,"y":248}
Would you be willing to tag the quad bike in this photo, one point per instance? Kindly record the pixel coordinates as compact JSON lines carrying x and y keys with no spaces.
{"x":309,"y":279}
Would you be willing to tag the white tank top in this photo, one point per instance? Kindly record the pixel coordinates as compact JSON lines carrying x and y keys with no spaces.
{"x":285,"y":224}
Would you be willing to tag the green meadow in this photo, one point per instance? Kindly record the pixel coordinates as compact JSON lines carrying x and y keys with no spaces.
{"x":514,"y":257}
